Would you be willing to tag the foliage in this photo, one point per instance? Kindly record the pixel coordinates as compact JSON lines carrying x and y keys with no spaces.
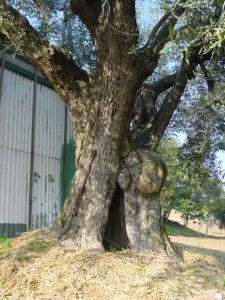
{"x":79,"y":44}
{"x":56,"y":23}
{"x":194,"y":191}
{"x":111,"y":248}
{"x":203,"y":122}
{"x":214,"y":35}
{"x":219,"y":211}
{"x":140,"y":269}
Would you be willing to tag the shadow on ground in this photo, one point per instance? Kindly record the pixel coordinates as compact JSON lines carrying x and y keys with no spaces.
{"x":217,"y":254}
{"x":177,"y":229}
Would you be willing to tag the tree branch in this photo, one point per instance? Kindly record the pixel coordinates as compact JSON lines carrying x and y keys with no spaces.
{"x":124,"y":18}
{"x":112,"y":25}
{"x":170,"y":102}
{"x":162,"y":84}
{"x":88,"y":11}
{"x":146,"y":99}
{"x":172,"y":99}
{"x":56,"y":64}
{"x":210,"y":81}
{"x":150,"y":53}
{"x":157,"y":123}
{"x":158,"y":42}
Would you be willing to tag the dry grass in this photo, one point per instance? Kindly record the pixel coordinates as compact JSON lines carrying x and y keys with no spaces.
{"x":36,"y":267}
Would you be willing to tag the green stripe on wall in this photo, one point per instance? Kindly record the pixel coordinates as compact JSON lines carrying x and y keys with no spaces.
{"x":70,"y":170}
{"x":18,"y":56}
{"x":22,"y":71}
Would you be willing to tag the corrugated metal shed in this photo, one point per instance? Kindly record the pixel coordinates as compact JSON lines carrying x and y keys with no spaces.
{"x":33,"y":154}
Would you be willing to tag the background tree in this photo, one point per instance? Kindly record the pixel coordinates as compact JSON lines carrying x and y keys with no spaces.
{"x":197,"y":193}
{"x":115,"y":191}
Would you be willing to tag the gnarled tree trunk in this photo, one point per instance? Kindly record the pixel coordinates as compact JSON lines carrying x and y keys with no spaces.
{"x":115,"y":191}
{"x":98,"y":151}
{"x":114,"y":199}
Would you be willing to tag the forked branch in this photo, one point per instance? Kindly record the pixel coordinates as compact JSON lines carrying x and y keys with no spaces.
{"x":157,"y":124}
{"x":88,"y":11}
{"x":159,"y":37}
{"x":56,"y":64}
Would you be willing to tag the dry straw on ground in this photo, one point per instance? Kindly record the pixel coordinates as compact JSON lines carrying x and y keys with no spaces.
{"x":36,"y":267}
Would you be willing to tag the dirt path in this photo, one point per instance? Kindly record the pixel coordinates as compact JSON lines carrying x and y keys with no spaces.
{"x":214,"y":245}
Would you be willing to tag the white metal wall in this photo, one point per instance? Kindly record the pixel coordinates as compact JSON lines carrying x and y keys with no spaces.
{"x":15,"y":153}
{"x":15,"y":140}
{"x":49,"y":138}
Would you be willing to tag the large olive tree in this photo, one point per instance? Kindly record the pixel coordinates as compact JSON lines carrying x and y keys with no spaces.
{"x":115,"y":191}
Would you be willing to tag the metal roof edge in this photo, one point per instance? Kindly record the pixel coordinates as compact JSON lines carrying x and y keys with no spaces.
{"x":22,"y":66}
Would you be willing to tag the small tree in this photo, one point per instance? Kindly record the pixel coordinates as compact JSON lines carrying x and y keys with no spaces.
{"x":195,"y":192}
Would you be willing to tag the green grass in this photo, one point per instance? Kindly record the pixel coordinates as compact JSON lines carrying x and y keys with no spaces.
{"x":5,"y":243}
{"x":181,"y":230}
{"x":111,"y":248}
{"x":4,"y":246}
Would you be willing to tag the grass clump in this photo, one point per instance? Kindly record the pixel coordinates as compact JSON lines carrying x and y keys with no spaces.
{"x":111,"y":248}
{"x":5,"y":244}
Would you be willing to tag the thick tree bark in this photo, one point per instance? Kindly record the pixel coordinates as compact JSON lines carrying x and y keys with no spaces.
{"x":141,"y":179}
{"x":128,"y":215}
{"x":99,"y":141}
{"x":186,"y":219}
{"x":115,"y":193}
